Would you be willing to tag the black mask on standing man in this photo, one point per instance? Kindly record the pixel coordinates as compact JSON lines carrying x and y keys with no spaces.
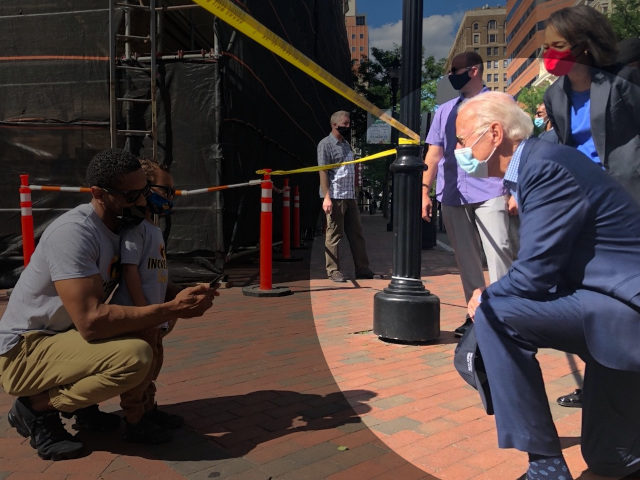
{"x":460,"y":80}
{"x":345,"y":132}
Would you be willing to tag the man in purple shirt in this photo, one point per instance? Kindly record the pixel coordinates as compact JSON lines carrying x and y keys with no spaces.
{"x":474,"y":209}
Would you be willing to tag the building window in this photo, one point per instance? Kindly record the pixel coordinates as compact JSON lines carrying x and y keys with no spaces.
{"x":488,"y":51}
{"x":505,"y":63}
{"x":353,"y":49}
{"x":492,"y":38}
{"x":495,"y":51}
{"x":476,"y":49}
{"x":495,"y":77}
{"x":489,"y":64}
{"x":475,"y":26}
{"x":360,"y":20}
{"x":495,"y":64}
{"x":476,"y":38}
{"x":504,"y":77}
{"x":362,"y":35}
{"x":362,"y":49}
{"x":491,"y":25}
{"x":504,"y":51}
{"x":489,"y":78}
{"x":353,"y":36}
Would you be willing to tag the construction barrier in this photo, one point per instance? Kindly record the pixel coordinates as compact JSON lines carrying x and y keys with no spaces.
{"x":266,"y":217}
{"x":286,"y":226}
{"x":26,"y":219}
{"x":266,"y":232}
{"x":296,"y":217}
{"x":26,"y":210}
{"x":265,"y":288}
{"x":286,"y":220}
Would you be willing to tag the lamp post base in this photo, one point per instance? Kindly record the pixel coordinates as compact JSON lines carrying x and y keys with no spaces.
{"x":406,"y":317}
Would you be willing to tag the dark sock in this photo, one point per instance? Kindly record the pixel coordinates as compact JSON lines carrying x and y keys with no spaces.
{"x":542,"y":467}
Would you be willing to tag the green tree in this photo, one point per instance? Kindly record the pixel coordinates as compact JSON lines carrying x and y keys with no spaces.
{"x":531,"y":97}
{"x":374,"y":79}
{"x":432,"y":70}
{"x":625,"y":18}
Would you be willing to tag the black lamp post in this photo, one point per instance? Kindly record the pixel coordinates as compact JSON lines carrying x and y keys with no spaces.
{"x":405,"y":310}
{"x":394,"y":78}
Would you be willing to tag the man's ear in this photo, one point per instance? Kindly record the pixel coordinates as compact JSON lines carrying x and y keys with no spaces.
{"x":97,"y":193}
{"x":497,"y":133}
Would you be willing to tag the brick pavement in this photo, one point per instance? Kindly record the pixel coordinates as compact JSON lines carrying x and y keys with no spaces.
{"x":298,"y":387}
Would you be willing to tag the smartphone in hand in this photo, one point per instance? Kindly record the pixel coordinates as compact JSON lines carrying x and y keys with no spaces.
{"x":215,"y":283}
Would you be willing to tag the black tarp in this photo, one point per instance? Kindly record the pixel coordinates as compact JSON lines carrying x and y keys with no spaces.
{"x":219,"y":120}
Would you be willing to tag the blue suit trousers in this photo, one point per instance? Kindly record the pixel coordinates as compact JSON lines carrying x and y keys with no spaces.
{"x":510,"y":330}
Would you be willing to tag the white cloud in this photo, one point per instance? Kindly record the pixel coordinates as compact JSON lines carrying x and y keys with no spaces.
{"x":438,"y":34}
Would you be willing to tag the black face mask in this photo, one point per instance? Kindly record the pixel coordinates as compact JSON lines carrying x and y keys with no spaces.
{"x":460,"y":80}
{"x":345,"y":132}
{"x":131,"y":216}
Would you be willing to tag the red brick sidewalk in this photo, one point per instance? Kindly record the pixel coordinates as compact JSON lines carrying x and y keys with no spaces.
{"x":298,"y":387}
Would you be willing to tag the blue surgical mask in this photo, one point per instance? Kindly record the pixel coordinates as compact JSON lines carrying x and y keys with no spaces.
{"x":470,"y":164}
{"x":539,"y":122}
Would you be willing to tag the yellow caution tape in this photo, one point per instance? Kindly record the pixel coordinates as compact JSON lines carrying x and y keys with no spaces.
{"x":248,"y":25}
{"x":318,"y":168}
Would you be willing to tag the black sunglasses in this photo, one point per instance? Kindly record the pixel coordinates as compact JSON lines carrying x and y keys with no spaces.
{"x":170,"y":192}
{"x":130,"y":196}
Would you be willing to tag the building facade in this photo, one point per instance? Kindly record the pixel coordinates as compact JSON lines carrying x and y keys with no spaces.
{"x":357,"y":34}
{"x":483,"y":31}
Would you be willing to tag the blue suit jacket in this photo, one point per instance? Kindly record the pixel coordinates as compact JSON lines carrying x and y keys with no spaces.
{"x":579,"y":230}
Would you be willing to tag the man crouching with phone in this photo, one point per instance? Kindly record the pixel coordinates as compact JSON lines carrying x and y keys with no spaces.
{"x":62,"y":348}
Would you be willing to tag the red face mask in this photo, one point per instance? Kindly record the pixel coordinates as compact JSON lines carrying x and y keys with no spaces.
{"x":557,"y":62}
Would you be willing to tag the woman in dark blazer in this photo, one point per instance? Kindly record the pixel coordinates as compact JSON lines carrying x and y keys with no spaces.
{"x":595,"y":104}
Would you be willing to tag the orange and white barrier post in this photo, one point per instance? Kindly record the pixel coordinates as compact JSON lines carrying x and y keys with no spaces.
{"x":265,"y":288}
{"x":286,"y":220}
{"x":28,"y":240}
{"x":266,"y":231}
{"x":296,"y":217}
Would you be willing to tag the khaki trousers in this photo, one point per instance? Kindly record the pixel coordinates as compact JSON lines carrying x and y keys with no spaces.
{"x":345,"y":218}
{"x":76,"y":373}
{"x":142,"y":398}
{"x":474,"y":228}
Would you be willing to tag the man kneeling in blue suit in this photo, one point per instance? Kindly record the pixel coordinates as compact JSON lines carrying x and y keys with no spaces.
{"x":575,"y":287}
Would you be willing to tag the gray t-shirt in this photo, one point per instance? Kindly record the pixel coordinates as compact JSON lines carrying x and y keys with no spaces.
{"x":76,"y":245}
{"x":143,"y":246}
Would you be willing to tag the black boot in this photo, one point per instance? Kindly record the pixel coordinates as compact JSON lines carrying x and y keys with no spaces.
{"x":92,"y":419}
{"x":145,"y":431}
{"x":164,"y":419}
{"x":48,"y":435}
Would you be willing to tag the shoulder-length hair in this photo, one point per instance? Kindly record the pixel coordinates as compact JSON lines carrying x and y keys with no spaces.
{"x":588,"y":32}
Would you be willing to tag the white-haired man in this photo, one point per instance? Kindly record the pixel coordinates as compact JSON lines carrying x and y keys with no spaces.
{"x":574,"y":287}
{"x":338,"y":193}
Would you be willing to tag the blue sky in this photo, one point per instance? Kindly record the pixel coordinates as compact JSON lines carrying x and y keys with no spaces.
{"x":439,"y":26}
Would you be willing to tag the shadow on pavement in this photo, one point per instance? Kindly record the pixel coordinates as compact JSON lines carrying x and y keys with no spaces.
{"x":232,"y":426}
